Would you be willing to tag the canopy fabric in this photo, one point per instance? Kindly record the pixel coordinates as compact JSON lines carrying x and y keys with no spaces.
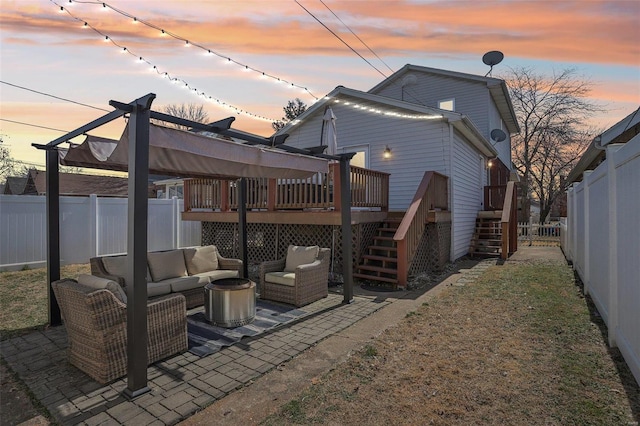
{"x":186,"y":154}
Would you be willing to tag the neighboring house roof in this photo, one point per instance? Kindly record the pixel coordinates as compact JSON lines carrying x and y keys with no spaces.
{"x":16,"y":186}
{"x":83,"y":185}
{"x":497,"y":88}
{"x":388,"y":106}
{"x":621,"y":132}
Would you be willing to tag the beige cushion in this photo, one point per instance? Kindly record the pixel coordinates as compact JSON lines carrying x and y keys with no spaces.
{"x":222,"y":273}
{"x":103,"y":283}
{"x":166,"y":264}
{"x":203,"y":278}
{"x":300,"y":255}
{"x":158,"y":289}
{"x":201,"y":259}
{"x":284,"y":278}
{"x":184,"y":283}
{"x":117,"y":265}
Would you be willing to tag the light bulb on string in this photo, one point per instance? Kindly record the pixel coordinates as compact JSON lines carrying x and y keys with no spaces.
{"x":61,"y":9}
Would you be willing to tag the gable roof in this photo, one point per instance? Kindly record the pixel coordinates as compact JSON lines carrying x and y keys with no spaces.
{"x":497,"y":88}
{"x":385,"y":106}
{"x":18,"y":186}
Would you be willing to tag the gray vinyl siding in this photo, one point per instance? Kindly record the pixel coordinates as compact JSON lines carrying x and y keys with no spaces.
{"x":468,"y":181}
{"x":417,"y":146}
{"x":471,"y":97}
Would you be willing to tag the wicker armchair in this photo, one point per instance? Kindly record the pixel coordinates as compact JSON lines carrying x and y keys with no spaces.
{"x":96,"y":323}
{"x":308,"y":283}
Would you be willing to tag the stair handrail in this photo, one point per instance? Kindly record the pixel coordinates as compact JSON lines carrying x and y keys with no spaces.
{"x":431,"y":193}
{"x":509,"y":221}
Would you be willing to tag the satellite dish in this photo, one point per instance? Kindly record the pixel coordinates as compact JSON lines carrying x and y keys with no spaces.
{"x":492,"y":58}
{"x":498,"y":135}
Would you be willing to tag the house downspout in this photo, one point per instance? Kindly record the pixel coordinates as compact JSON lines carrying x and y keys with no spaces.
{"x":451,"y":195}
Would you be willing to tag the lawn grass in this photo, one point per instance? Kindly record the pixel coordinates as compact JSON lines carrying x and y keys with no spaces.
{"x":521,"y":345}
{"x":24,"y":298}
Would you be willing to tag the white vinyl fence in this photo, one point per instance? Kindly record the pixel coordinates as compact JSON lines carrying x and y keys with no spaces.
{"x":603,"y":242}
{"x":539,"y":234}
{"x":89,"y":226}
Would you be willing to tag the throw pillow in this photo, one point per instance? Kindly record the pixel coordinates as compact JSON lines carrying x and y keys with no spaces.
{"x":201,"y":259}
{"x":300,"y":255}
{"x":117,"y":265}
{"x":99,"y":283}
{"x":166,"y":264}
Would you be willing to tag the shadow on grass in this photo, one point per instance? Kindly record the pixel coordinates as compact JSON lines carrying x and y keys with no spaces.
{"x":627,"y":379}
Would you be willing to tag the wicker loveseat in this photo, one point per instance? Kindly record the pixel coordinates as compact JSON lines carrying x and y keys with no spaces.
{"x":96,"y":323}
{"x":298,"y":279}
{"x":184,"y":271}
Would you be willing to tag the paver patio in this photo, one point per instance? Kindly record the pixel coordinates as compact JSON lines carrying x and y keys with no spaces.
{"x":180,"y":385}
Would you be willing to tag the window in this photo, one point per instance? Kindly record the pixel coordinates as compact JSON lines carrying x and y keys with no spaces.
{"x":447,"y":104}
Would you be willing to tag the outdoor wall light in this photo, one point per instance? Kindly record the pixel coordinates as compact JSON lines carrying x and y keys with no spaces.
{"x":387,"y":152}
{"x":489,"y":163}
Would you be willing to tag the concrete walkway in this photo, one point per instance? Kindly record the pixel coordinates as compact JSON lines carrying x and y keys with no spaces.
{"x":257,"y":375}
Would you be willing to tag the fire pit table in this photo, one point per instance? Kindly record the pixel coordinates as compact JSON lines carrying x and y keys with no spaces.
{"x":230,"y":302}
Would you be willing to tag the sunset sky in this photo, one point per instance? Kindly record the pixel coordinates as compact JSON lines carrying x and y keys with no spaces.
{"x":46,"y":49}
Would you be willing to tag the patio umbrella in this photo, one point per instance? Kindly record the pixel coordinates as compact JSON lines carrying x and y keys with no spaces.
{"x":329,"y":136}
{"x":330,"y":140}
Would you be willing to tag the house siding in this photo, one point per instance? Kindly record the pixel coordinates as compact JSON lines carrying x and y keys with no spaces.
{"x":417,"y":146}
{"x":471,"y":97}
{"x":468,"y":180}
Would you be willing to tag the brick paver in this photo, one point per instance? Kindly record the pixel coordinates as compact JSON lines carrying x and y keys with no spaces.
{"x":181,"y":385}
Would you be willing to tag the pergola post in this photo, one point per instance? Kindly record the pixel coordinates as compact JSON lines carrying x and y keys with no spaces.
{"x":138,"y":207}
{"x":53,"y":232}
{"x":347,"y":237}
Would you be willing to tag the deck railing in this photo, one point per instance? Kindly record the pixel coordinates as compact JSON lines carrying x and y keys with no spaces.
{"x":369,"y":188}
{"x":432,"y":194}
{"x":494,"y":197}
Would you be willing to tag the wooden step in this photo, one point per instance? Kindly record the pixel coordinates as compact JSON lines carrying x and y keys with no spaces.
{"x":380,"y":258}
{"x":381,"y":238}
{"x":378,"y":269}
{"x":382,"y":248}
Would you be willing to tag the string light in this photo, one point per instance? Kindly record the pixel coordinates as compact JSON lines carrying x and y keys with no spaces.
{"x":389,"y":113}
{"x":229,"y":60}
{"x":141,"y":59}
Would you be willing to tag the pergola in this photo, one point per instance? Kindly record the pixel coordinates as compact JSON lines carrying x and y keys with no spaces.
{"x":144,"y":148}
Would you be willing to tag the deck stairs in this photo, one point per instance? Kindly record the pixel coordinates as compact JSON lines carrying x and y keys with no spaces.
{"x":487,"y":239}
{"x":380,"y":261}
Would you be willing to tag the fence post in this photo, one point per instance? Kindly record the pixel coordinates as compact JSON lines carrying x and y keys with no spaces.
{"x":93,"y":225}
{"x":175,"y":221}
{"x":613,"y":245}
{"x":585,"y":260}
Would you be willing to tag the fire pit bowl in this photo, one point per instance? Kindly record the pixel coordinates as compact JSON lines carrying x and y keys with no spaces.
{"x":230,"y":302}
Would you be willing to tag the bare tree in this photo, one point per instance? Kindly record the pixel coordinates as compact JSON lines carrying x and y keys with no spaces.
{"x":293,"y":109}
{"x":7,"y":163}
{"x":191,"y":112}
{"x":552,"y":112}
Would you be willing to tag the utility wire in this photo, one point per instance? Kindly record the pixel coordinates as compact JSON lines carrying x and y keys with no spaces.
{"x":190,"y":43}
{"x":53,"y":96}
{"x":356,"y":35}
{"x":33,"y":125}
{"x":339,"y":38}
